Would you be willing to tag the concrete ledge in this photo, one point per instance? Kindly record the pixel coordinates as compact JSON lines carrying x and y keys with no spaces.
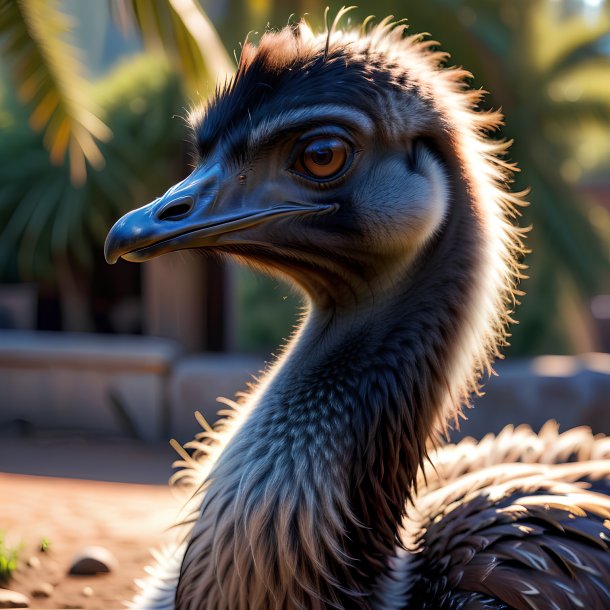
{"x":574,"y":390}
{"x":33,"y":349}
{"x":111,"y":386}
{"x":197,"y":381}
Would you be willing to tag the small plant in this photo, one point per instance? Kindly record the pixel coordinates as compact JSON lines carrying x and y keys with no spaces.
{"x":45,"y":545}
{"x":9,"y":557}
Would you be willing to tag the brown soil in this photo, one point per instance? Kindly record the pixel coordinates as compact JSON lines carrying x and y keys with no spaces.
{"x":127,"y":519}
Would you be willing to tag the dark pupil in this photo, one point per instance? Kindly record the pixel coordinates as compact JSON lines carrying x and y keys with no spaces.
{"x":321,"y":155}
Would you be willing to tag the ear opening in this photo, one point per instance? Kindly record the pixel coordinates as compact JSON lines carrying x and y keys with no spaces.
{"x":419,"y":145}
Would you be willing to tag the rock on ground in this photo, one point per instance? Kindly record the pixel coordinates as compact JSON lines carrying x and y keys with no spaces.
{"x":93,"y":560}
{"x":12,"y":599}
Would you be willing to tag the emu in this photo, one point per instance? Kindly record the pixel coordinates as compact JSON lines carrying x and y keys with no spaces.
{"x":360,"y":167}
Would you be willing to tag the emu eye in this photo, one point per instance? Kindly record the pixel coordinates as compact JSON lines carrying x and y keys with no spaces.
{"x":323,"y":158}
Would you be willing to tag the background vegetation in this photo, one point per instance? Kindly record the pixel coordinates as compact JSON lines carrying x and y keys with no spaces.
{"x":77,"y":150}
{"x":9,"y":559}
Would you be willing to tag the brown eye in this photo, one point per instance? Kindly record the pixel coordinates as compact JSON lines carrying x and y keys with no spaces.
{"x":323,"y":158}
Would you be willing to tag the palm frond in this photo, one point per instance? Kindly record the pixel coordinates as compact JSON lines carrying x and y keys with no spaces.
{"x":47,"y":73}
{"x":597,"y":48}
{"x":44,"y":219}
{"x":575,"y":114}
{"x":183,"y":32}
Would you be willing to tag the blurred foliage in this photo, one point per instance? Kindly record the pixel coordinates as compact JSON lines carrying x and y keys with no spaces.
{"x":266,"y":311}
{"x":9,"y":557}
{"x":48,"y":73}
{"x":45,"y":220}
{"x":34,"y":39}
{"x":181,"y":30}
{"x":49,"y":214}
{"x":53,"y":213}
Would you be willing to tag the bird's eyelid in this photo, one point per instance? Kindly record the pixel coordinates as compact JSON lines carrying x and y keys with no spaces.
{"x":301,"y":120}
{"x":325,"y":130}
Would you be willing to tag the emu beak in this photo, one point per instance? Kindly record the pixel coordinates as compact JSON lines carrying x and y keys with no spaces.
{"x":195,"y":213}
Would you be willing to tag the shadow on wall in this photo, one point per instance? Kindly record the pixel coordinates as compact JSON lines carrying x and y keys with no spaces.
{"x":573,"y":390}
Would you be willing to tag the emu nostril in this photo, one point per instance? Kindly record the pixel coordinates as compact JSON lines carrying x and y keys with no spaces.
{"x":176,"y":209}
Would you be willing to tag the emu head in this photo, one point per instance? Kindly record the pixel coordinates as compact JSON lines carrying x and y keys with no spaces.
{"x":333,"y":159}
{"x":353,"y":162}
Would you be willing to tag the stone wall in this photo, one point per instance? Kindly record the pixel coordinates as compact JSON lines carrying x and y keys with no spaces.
{"x":106,"y":385}
{"x":573,"y":390}
{"x":149,"y":388}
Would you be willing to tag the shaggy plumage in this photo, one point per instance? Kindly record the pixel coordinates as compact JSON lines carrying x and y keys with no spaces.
{"x":315,"y":491}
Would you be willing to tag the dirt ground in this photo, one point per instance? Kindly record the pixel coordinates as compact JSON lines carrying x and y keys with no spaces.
{"x":126,"y":519}
{"x":71,"y":513}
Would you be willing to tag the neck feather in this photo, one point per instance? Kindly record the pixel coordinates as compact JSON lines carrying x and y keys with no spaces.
{"x":303,"y":504}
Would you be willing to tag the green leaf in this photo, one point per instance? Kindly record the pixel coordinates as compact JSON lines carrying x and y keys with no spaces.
{"x":47,"y":75}
{"x":596,"y":49}
{"x":575,"y":114}
{"x":44,"y":218}
{"x":183,"y":32}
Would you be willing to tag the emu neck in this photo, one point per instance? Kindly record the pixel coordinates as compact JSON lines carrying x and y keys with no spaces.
{"x":303,"y":506}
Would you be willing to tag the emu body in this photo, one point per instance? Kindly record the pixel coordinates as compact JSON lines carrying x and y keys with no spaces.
{"x":357,"y":166}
